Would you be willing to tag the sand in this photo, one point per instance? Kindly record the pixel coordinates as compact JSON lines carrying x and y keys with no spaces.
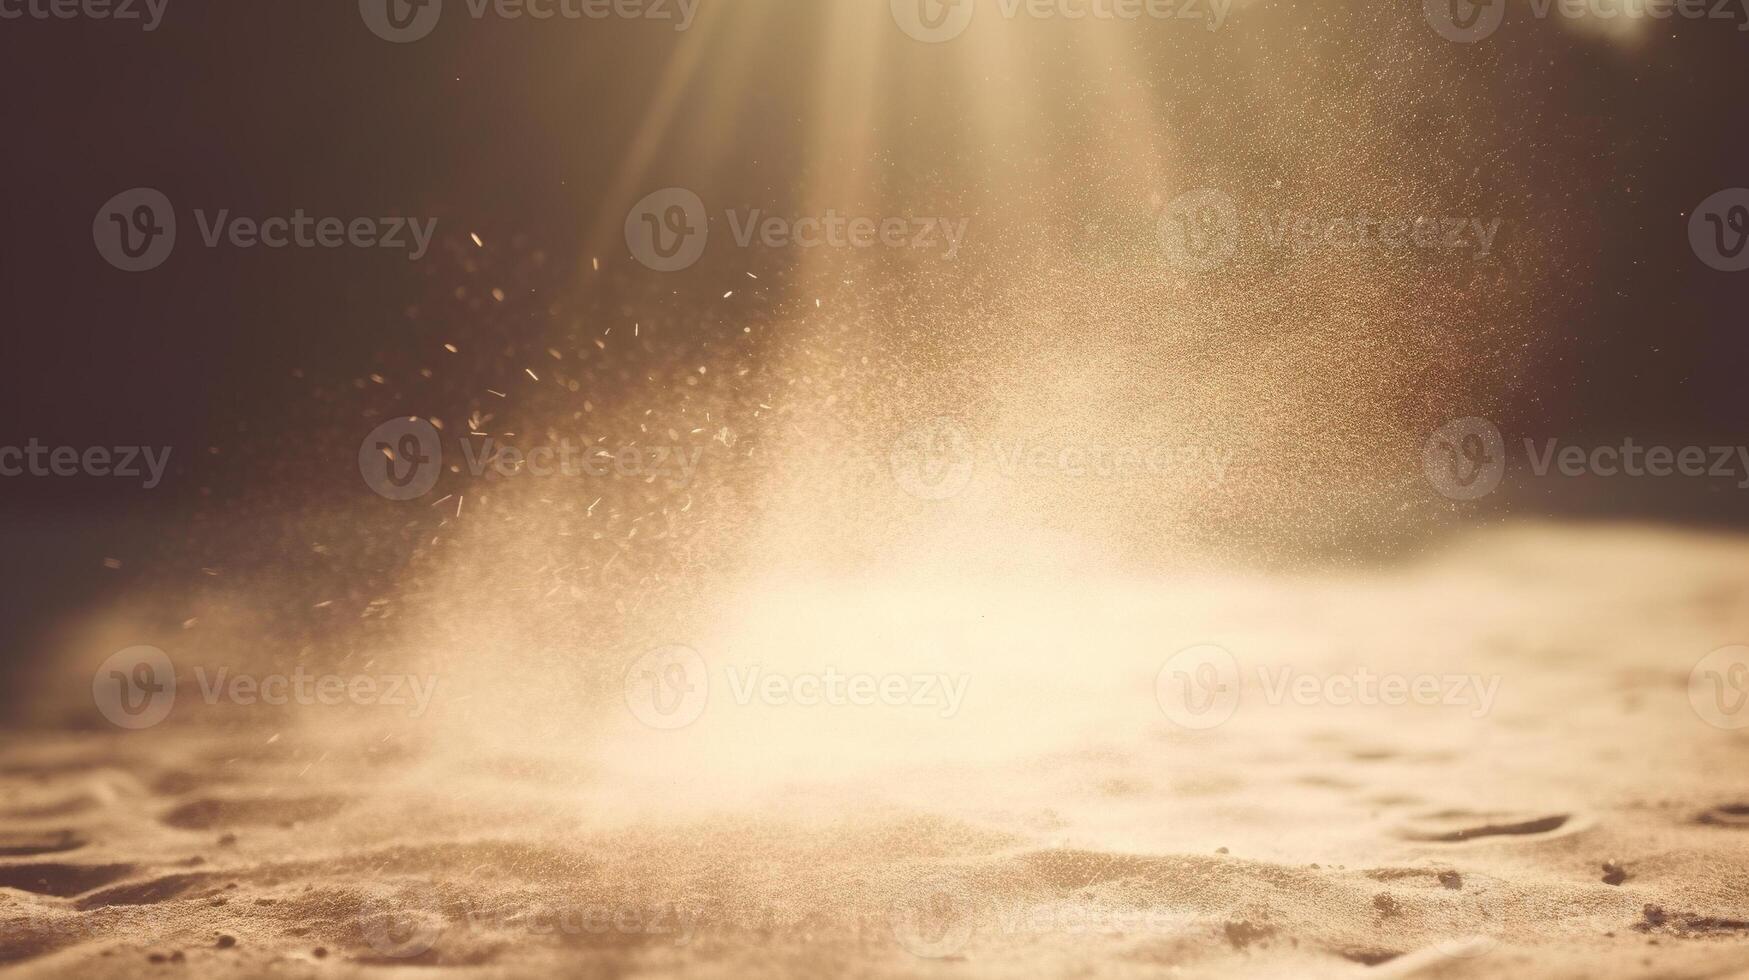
{"x":1588,"y":821}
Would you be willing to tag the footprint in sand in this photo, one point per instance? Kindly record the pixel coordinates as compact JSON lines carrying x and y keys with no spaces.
{"x":1457,"y":826}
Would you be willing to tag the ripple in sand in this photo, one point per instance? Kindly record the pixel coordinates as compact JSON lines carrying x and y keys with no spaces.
{"x":1457,"y":826}
{"x":61,"y":880}
{"x":1726,"y":815}
{"x":209,"y":814}
{"x":28,"y":843}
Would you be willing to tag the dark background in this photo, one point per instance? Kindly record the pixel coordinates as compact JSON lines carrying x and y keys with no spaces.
{"x":513,"y":130}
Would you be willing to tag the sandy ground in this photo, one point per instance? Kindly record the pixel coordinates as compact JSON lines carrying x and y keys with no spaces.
{"x":1591,"y":819}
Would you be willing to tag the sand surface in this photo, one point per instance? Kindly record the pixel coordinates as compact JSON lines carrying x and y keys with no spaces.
{"x":1590,"y":822}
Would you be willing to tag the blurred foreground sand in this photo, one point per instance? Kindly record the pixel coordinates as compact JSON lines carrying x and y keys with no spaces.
{"x":1590,"y":823}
